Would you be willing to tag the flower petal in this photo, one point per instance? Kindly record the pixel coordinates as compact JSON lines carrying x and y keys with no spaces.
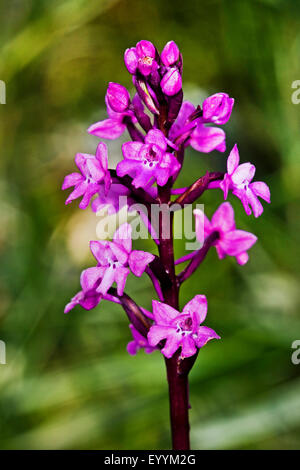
{"x":233,"y":160}
{"x":72,"y":180}
{"x":262,"y":190}
{"x":102,"y":156}
{"x":204,"y":335}
{"x":138,"y":261}
{"x":203,"y":225}
{"x":237,"y":242}
{"x":163,"y":313}
{"x":78,"y":191}
{"x":90,"y":277}
{"x":121,"y":274}
{"x":171,"y":82}
{"x":172,"y":344}
{"x":223,"y":218}
{"x":107,"y":129}
{"x":198,"y":306}
{"x":155,"y":136}
{"x":131,"y":150}
{"x":122,"y":236}
{"x":205,"y":139}
{"x":244,"y":173}
{"x":188,"y":347}
{"x":158,"y":333}
{"x":107,"y":280}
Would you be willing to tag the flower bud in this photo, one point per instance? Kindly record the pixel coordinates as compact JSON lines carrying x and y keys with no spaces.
{"x":131,"y":60}
{"x":170,"y":53}
{"x":118,"y":97}
{"x":217,"y":108}
{"x":171,"y":82}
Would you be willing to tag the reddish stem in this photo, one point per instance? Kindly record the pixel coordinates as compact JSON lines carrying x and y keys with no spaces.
{"x":177,"y":379}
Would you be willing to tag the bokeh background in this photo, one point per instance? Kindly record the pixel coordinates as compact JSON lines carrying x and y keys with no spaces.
{"x":68,"y":382}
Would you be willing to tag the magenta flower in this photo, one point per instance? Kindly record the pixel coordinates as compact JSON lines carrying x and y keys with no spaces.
{"x":238,"y":179}
{"x":87,"y":300}
{"x":148,"y":162}
{"x":181,"y":329}
{"x":170,"y":54}
{"x":171,"y":82}
{"x":138,"y":342}
{"x":193,"y":132}
{"x":117,"y":101}
{"x":93,"y":173}
{"x":115,"y":261}
{"x":217,"y":108}
{"x":113,"y":200}
{"x":141,"y":58}
{"x":118,"y":97}
{"x":230,"y":241}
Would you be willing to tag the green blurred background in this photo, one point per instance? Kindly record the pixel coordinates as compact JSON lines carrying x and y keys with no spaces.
{"x":68,"y":381}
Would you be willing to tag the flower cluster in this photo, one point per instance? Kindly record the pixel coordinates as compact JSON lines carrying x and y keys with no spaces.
{"x":161,"y":125}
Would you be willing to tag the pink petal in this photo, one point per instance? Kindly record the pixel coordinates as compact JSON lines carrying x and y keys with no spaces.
{"x":132,"y":348}
{"x":242,"y":258}
{"x":72,"y":180}
{"x":157,"y":334}
{"x":131,"y":59}
{"x":122,"y":236}
{"x":101,"y":155}
{"x":145,"y":49}
{"x":155,"y":136}
{"x":143,"y":177}
{"x":170,"y":53}
{"x":204,"y":335}
{"x":89,"y":193}
{"x":254,"y":203}
{"x":233,"y":160}
{"x":244,"y":173}
{"x":107,"y":280}
{"x":205,"y":139}
{"x":162,"y":175}
{"x":107,"y":129}
{"x":172,"y":344}
{"x":186,"y":110}
{"x":188,"y":347}
{"x":223,"y":218}
{"x":96,"y":172}
{"x":139,"y":260}
{"x":120,"y":278}
{"x":90,"y":277}
{"x":127,"y":167}
{"x":203,"y":225}
{"x":98,"y":248}
{"x":163,"y":313}
{"x":80,"y":161}
{"x":237,"y":242}
{"x":262,"y":190}
{"x":171,"y":82}
{"x":131,"y":150}
{"x":78,"y":191}
{"x":119,"y":252}
{"x":198,"y":306}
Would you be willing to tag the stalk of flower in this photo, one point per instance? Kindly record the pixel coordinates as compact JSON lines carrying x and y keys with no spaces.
{"x":147,"y":175}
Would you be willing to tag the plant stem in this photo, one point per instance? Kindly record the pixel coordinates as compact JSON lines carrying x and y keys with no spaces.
{"x":178,"y":381}
{"x":179,"y":405}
